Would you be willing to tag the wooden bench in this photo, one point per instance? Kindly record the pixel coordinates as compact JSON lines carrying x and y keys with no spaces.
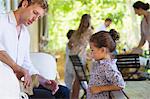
{"x":129,"y":65}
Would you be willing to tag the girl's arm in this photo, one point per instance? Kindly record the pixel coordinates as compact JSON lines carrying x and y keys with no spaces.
{"x":99,"y":89}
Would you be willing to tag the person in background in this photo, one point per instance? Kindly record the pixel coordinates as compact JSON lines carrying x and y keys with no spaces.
{"x":105,"y":25}
{"x":68,"y":66}
{"x":141,"y":9}
{"x":77,"y":46}
{"x":105,"y":79}
{"x":15,"y":56}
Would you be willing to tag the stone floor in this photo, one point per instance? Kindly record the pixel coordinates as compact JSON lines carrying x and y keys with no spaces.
{"x":138,"y":89}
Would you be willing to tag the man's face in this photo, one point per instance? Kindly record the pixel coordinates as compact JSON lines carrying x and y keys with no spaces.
{"x":107,"y":23}
{"x":31,"y":13}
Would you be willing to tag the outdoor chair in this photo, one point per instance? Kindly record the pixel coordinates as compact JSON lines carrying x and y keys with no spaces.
{"x":82,"y":72}
{"x":146,"y":69}
{"x":129,"y":65}
{"x":45,"y":64}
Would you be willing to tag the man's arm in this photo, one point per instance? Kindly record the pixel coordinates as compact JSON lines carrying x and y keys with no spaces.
{"x":5,"y":58}
{"x":49,"y":84}
{"x":20,"y":72}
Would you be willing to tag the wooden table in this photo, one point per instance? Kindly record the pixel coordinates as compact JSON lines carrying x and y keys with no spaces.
{"x":138,"y":89}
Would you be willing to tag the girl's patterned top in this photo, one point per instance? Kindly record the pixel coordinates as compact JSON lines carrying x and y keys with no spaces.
{"x":104,"y":72}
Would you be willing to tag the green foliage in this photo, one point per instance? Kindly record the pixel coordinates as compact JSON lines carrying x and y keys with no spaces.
{"x":65,"y":14}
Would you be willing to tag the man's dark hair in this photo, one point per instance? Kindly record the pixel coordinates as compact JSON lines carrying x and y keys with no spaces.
{"x":69,"y":34}
{"x":108,"y":19}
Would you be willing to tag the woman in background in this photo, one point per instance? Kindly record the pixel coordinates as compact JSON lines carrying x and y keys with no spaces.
{"x":141,"y":9}
{"x":77,"y":45}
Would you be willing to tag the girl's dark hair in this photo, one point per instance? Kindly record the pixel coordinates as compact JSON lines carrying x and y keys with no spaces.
{"x":139,"y":4}
{"x":69,"y":34}
{"x":103,"y":39}
{"x":114,"y":34}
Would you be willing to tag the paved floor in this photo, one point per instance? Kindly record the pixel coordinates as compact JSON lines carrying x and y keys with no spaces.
{"x":138,"y":89}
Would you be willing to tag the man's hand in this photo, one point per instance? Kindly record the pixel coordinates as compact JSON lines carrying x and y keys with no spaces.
{"x":49,"y":84}
{"x":22,"y":72}
{"x":52,"y":85}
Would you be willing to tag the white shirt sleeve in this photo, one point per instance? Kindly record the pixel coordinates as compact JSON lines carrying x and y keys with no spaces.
{"x":1,"y":46}
{"x":101,"y":28}
{"x":28,"y":64}
{"x":1,"y":41}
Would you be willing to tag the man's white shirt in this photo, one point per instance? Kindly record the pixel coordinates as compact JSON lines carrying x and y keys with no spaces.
{"x":17,"y":49}
{"x":101,"y":28}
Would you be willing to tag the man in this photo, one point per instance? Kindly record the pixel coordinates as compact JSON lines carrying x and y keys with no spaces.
{"x":14,"y":47}
{"x":105,"y":25}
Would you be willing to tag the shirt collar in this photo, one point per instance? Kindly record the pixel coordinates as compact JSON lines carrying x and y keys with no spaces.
{"x":12,"y":18}
{"x":107,"y":60}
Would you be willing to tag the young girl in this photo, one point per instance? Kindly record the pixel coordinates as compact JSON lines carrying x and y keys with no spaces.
{"x":105,"y":79}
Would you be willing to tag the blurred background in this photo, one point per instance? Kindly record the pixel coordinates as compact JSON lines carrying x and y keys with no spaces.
{"x":49,"y":33}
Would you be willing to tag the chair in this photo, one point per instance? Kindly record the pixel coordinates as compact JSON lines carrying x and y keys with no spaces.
{"x":48,"y":63}
{"x":147,"y":68}
{"x":128,"y":62}
{"x":82,"y":72}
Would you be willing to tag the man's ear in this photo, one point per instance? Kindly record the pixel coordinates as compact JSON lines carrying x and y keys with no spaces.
{"x":24,"y":4}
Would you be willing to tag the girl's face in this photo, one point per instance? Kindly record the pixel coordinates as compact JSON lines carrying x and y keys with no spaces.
{"x":97,"y":53}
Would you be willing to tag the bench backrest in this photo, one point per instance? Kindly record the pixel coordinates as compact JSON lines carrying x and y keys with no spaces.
{"x":128,"y":61}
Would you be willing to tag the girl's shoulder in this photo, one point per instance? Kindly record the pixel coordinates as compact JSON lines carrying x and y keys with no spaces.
{"x":108,"y":63}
